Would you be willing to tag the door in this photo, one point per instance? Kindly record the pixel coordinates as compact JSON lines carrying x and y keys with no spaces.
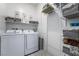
{"x":12,"y":45}
{"x":54,"y":34}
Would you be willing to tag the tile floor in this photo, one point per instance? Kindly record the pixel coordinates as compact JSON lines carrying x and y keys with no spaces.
{"x":40,"y":53}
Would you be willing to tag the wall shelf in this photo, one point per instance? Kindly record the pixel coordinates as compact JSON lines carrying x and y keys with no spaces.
{"x":12,"y":24}
{"x":71,"y":11}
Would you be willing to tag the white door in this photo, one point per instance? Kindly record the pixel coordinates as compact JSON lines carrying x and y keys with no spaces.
{"x":54,"y":34}
{"x":12,"y":45}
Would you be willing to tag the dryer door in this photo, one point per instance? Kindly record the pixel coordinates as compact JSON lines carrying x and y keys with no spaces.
{"x":32,"y":41}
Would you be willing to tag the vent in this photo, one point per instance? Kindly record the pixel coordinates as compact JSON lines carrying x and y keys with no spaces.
{"x":47,"y":9}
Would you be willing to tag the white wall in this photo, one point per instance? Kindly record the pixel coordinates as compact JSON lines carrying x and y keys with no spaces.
{"x":2,"y":14}
{"x":2,"y":25}
{"x":27,"y":9}
{"x":2,"y":9}
{"x":42,"y":24}
{"x":9,"y":9}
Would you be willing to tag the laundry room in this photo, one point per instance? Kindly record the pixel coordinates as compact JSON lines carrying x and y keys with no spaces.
{"x":39,"y":29}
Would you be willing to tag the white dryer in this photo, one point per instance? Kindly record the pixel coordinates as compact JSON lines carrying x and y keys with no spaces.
{"x":31,"y":42}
